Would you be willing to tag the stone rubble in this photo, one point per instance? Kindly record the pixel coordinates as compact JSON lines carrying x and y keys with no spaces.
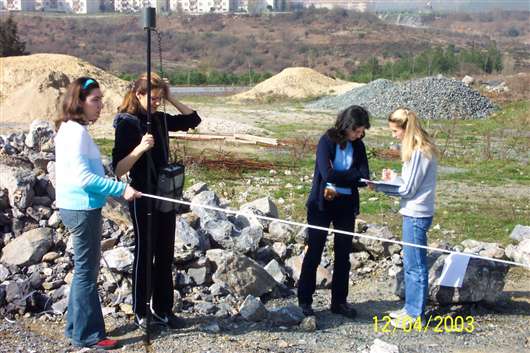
{"x":224,"y":265}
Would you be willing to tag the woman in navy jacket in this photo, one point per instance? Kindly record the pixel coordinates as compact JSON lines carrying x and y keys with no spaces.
{"x":341,"y":162}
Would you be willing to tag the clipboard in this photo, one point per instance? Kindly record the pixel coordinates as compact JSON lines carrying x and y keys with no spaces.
{"x":396,"y":182}
{"x":390,"y":188}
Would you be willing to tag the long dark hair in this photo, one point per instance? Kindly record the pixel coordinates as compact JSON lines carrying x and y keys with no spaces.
{"x":75,"y":96}
{"x":352,"y":117}
{"x":131,"y":104}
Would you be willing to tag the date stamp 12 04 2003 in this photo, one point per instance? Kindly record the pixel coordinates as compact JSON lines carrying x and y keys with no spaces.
{"x":438,"y":324}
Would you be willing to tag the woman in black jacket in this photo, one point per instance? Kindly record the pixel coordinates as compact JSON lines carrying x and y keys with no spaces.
{"x":341,"y":162}
{"x":130,"y":144}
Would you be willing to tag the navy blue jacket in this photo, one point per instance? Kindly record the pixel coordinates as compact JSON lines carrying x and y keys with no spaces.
{"x":324,"y":172}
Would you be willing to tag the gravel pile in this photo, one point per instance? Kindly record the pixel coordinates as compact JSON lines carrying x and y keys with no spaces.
{"x":430,"y":97}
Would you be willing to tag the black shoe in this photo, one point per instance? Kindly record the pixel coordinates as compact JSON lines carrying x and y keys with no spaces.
{"x":141,"y":322}
{"x":169,"y":320}
{"x":344,"y":309}
{"x":306,"y":309}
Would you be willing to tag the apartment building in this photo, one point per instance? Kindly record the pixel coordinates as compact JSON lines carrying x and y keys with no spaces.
{"x":255,"y":6}
{"x":279,"y":5}
{"x":128,"y":5}
{"x":201,"y":6}
{"x":138,"y":5}
{"x":186,"y":6}
{"x":357,"y":5}
{"x":17,"y":5}
{"x":68,"y":6}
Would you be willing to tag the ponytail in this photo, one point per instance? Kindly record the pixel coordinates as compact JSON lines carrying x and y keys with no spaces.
{"x":415,"y":137}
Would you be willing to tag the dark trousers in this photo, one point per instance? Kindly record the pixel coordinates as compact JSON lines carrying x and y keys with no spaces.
{"x":163,"y":242}
{"x":340,"y":212}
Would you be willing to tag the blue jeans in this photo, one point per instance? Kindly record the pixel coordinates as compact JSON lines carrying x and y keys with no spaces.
{"x":84,"y":321}
{"x":415,"y":264}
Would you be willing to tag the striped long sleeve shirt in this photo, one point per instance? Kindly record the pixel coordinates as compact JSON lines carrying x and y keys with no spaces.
{"x":81,"y":182}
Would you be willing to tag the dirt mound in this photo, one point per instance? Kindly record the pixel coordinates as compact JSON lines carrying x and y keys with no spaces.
{"x":31,"y":86}
{"x":295,"y":83}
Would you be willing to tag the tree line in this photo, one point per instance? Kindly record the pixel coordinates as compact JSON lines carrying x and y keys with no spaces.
{"x":196,"y":77}
{"x":448,"y":60}
{"x":10,"y":43}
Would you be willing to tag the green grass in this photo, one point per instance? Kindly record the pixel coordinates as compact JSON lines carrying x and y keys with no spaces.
{"x":105,"y":146}
{"x":490,"y":172}
{"x":493,"y":151}
{"x":294,"y":130}
{"x":486,"y":220}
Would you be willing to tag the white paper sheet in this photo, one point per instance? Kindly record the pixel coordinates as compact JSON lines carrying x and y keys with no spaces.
{"x":394,"y":182}
{"x":454,"y":270}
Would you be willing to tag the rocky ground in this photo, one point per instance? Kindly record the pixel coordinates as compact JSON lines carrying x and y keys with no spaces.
{"x":499,"y":328}
{"x":212,"y":249}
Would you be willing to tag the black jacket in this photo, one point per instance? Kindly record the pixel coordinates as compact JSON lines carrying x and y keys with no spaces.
{"x":324,"y":172}
{"x":129,"y":131}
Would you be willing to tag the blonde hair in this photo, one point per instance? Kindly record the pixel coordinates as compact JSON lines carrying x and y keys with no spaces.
{"x":131,"y":104}
{"x":415,"y":137}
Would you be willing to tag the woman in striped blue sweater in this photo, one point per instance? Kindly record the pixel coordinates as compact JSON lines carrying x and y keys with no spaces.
{"x":82,"y":189}
{"x":417,"y":191}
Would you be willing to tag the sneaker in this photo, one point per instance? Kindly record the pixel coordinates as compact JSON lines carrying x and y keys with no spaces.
{"x":141,"y":322}
{"x":169,"y":320}
{"x":306,"y":309}
{"x":397,"y":313}
{"x":405,"y":321}
{"x":344,"y":309}
{"x":107,"y":344}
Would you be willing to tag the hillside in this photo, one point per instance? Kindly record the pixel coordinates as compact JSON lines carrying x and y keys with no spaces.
{"x":511,"y":30}
{"x":327,"y":41}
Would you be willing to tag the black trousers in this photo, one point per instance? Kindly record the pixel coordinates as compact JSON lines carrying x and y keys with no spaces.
{"x":163,"y":242}
{"x":340,"y":212}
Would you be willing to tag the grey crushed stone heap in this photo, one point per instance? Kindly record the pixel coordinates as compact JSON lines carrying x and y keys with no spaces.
{"x":430,"y":98}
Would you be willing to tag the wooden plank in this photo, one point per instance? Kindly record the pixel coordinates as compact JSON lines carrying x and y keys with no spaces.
{"x":197,"y":137}
{"x":242,"y":142}
{"x":260,"y":139}
{"x":236,"y":138}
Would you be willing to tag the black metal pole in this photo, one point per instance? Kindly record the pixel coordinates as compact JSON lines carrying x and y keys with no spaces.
{"x":149,"y":23}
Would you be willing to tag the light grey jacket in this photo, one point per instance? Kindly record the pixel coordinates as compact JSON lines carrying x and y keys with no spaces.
{"x":419,"y":186}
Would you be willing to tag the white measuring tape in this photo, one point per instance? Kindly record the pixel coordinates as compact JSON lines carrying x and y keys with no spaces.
{"x":358,"y":235}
